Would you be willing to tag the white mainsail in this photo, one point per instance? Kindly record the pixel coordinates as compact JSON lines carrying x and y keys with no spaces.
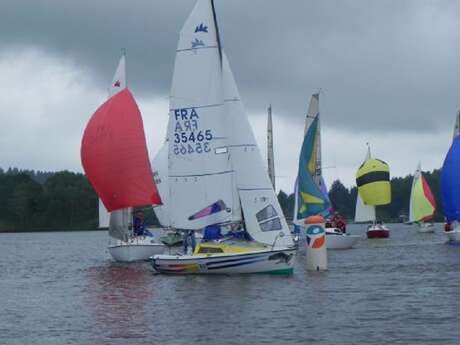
{"x":160,"y":174}
{"x":270,"y":155}
{"x":417,"y":175}
{"x":200,"y":171}
{"x":118,"y":84}
{"x":262,"y":212}
{"x":313,"y":112}
{"x":363,"y":212}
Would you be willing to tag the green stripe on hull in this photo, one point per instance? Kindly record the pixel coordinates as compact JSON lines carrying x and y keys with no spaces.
{"x":283,"y":271}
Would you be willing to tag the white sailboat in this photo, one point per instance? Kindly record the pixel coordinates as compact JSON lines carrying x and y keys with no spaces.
{"x":125,"y":187}
{"x":422,"y":204}
{"x":215,"y":167}
{"x":377,"y":191}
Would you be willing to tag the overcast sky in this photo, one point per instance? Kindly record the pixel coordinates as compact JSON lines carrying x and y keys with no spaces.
{"x":387,"y":70}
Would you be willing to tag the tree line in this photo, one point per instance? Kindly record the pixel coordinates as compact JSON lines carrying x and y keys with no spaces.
{"x":32,"y":200}
{"x":37,"y":200}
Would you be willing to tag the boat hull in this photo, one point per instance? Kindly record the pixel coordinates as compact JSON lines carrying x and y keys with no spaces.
{"x":425,"y":227}
{"x":135,"y":250}
{"x":264,"y":261}
{"x":453,"y":236}
{"x":340,"y":241}
{"x":378,"y":232}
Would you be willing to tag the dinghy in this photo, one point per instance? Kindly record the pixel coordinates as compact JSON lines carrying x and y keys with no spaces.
{"x":216,"y":172}
{"x":373,"y":182}
{"x":311,"y":196}
{"x":450,"y":187}
{"x":422,"y":204}
{"x":115,"y":159}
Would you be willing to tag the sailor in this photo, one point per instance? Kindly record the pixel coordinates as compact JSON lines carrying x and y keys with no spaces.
{"x":138,"y":224}
{"x":189,"y":240}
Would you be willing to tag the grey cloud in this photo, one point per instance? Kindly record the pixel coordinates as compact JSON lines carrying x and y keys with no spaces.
{"x":383,"y":65}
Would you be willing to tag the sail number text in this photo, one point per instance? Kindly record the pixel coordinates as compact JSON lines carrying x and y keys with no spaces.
{"x":188,"y":136}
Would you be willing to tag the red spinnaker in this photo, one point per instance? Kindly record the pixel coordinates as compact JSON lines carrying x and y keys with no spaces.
{"x":114,"y":155}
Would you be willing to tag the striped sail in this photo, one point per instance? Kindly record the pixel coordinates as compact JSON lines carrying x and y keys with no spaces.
{"x":263,"y":216}
{"x":200,"y":172}
{"x":422,"y":203}
{"x":310,"y":198}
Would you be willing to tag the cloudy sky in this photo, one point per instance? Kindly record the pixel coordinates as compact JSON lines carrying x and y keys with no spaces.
{"x":387,"y":71}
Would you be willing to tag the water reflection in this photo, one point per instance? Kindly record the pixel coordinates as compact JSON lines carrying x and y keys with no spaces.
{"x":116,"y":295}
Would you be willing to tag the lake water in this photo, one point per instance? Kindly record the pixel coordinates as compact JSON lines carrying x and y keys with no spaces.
{"x":63,"y":288}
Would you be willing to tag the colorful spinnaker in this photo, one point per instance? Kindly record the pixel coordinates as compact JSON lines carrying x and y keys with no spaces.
{"x":450,"y":182}
{"x":422,"y":202}
{"x":114,"y":155}
{"x":373,"y":181}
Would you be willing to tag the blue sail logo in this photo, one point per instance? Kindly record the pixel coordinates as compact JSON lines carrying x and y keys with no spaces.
{"x":197,"y":43}
{"x":201,"y":28}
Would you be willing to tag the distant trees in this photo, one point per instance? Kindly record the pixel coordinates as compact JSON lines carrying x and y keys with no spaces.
{"x":65,"y":200}
{"x":35,"y":200}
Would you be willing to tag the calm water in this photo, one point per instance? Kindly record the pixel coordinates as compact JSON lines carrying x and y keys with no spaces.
{"x":63,"y":288}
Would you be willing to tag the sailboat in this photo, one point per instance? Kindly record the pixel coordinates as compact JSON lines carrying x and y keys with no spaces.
{"x":270,"y":155}
{"x":311,"y":196}
{"x":115,"y":159}
{"x":422,"y":204}
{"x":373,"y":182}
{"x":450,"y":186}
{"x":217,"y":179}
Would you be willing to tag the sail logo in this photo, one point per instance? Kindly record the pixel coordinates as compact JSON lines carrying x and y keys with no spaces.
{"x":316,"y":236}
{"x":117,"y":84}
{"x":197,"y":43}
{"x":201,"y":28}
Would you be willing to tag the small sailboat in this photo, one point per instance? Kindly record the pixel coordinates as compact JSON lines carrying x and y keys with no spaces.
{"x":216,"y":172}
{"x":450,"y":187}
{"x":374,"y":188}
{"x":422,"y":203}
{"x":270,"y":154}
{"x":311,"y":196}
{"x":115,"y":159}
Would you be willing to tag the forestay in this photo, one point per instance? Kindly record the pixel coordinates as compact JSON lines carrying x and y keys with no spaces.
{"x":262,"y":213}
{"x":200,"y":172}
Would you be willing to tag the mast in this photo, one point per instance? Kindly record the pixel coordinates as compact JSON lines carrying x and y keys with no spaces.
{"x":457,"y":125}
{"x":270,"y":154}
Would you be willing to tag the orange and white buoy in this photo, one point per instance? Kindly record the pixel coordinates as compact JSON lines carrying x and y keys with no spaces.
{"x":316,"y":244}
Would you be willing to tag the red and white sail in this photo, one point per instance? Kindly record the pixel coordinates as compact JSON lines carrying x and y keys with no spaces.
{"x":115,"y":157}
{"x":118,"y":84}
